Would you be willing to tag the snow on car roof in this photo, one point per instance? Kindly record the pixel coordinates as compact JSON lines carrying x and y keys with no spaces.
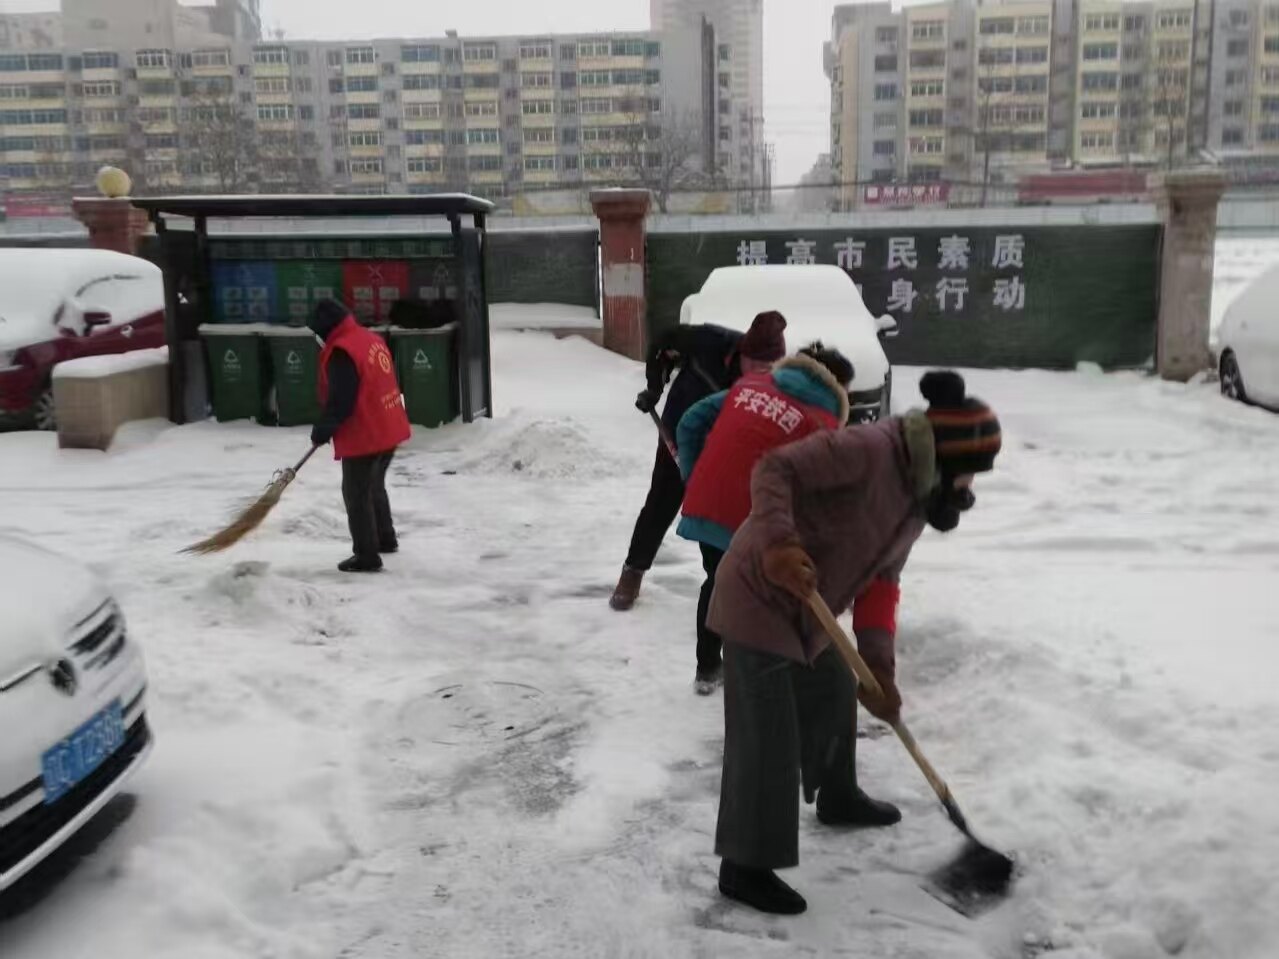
{"x":782,"y":287}
{"x":34,"y":282}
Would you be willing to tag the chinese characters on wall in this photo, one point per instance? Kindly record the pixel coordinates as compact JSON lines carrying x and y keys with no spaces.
{"x":914,"y":272}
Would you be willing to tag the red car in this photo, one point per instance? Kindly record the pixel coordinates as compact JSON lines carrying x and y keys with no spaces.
{"x":60,"y":305}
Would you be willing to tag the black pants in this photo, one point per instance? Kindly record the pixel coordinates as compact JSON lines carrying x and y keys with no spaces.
{"x":665,"y":494}
{"x":784,"y":723}
{"x":368,"y":511}
{"x":708,"y":641}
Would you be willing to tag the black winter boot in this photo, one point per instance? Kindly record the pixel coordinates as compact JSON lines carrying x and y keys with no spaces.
{"x":359,"y":564}
{"x":843,"y":807}
{"x":760,"y":889}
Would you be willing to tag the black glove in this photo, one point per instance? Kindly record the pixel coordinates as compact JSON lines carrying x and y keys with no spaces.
{"x":646,"y":402}
{"x":321,"y":433}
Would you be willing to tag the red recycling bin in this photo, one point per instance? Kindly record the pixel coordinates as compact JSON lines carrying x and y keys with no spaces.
{"x":370,"y":287}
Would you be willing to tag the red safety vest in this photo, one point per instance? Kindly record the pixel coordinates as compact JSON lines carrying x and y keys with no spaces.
{"x":757,"y":417}
{"x":379,"y":422}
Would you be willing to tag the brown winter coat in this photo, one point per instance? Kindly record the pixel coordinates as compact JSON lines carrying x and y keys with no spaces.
{"x":854,"y":499}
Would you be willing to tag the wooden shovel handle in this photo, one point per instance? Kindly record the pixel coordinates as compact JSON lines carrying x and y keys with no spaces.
{"x":848,"y":652}
{"x":302,"y":461}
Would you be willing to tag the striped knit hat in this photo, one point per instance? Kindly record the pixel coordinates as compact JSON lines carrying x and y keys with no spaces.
{"x":965,"y":430}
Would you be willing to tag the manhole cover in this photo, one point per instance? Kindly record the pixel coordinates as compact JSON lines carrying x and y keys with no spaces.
{"x":471,"y":713}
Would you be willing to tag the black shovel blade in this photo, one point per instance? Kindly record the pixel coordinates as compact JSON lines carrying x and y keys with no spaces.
{"x":978,"y":880}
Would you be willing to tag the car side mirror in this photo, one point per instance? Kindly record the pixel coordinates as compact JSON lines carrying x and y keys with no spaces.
{"x":886,"y":327}
{"x":95,"y":318}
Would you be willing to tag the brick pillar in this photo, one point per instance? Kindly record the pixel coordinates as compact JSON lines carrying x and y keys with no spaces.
{"x":1187,"y":203}
{"x":114,"y":223}
{"x":622,"y":219}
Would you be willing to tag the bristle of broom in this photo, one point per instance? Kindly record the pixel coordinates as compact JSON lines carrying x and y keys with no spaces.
{"x":248,"y":520}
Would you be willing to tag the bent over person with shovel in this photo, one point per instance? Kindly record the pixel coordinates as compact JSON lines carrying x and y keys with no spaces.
{"x":835,"y":514}
{"x":365,"y":418}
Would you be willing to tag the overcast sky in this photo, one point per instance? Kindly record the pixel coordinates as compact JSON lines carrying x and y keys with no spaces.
{"x":796,"y":94}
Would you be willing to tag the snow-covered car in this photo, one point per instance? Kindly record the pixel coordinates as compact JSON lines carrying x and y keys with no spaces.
{"x":72,"y":710}
{"x":60,"y":305}
{"x":819,"y":303}
{"x":1248,"y":343}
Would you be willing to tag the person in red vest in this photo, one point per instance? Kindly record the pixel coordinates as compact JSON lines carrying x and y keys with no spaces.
{"x":364,"y":416}
{"x":722,"y":437}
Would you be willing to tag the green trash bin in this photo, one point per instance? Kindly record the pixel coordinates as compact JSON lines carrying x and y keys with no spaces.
{"x":295,"y":357}
{"x":237,"y":372}
{"x":426,"y":364}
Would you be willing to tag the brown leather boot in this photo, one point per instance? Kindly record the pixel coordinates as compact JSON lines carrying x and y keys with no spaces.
{"x":627,"y":590}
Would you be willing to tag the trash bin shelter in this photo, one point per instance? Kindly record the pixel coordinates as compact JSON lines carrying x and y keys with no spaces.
{"x":272,"y":281}
{"x":238,"y":378}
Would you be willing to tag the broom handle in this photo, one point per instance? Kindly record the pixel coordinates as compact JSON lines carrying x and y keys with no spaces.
{"x":667,"y":441}
{"x":302,"y":461}
{"x":848,"y":652}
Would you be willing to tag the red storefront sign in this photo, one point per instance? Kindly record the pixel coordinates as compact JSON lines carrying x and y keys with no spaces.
{"x":34,"y":206}
{"x":370,"y":287}
{"x":906,"y":194}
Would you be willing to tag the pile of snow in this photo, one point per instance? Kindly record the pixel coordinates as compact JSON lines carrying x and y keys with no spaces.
{"x":95,"y":367}
{"x":541,"y":449}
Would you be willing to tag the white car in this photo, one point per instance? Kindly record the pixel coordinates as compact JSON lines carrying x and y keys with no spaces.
{"x":819,"y":303}
{"x":1248,"y":343}
{"x":72,"y":708}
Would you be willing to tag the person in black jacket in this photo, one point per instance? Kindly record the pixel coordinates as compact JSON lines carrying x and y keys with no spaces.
{"x":710,"y":359}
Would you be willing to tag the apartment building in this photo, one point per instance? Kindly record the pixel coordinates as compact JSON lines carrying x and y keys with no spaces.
{"x":738,"y":26}
{"x":984,"y":93}
{"x":496,"y":115}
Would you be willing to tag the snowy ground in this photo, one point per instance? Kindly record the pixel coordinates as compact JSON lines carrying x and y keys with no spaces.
{"x":471,"y":755}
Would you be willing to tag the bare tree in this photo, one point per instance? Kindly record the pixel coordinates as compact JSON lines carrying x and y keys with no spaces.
{"x":287,"y":160}
{"x":226,"y":140}
{"x":658,"y":154}
{"x":1169,"y":102}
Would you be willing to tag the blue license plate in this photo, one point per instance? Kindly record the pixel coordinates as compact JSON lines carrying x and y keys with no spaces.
{"x":82,"y":752}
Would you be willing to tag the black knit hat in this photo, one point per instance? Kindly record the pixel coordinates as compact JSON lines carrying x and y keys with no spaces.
{"x":965,"y":430}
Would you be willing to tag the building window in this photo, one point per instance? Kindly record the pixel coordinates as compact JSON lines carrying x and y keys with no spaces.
{"x":153,"y":59}
{"x":927,"y":88}
{"x":1268,"y":133}
{"x":996,"y":84}
{"x":422,"y":137}
{"x":1100,"y":51}
{"x":539,"y":135}
{"x":1134,"y":24}
{"x":724,"y":53}
{"x":108,"y":89}
{"x":885,"y":91}
{"x":479,"y":52}
{"x":271,"y":85}
{"x":537,"y":107}
{"x":368,"y":138}
{"x":422,"y":53}
{"x":1134,"y":51}
{"x":99,"y":61}
{"x":366,"y":165}
{"x":275,"y":111}
{"x":926,"y":118}
{"x":1236,"y":48}
{"x":205,"y":58}
{"x":535,"y":51}
{"x":1270,"y":104}
{"x":884,"y":148}
{"x":1096,"y":111}
{"x":363,"y":111}
{"x":419,"y":81}
{"x":1231,"y":136}
{"x":1133,"y":81}
{"x":929,"y":59}
{"x":161,"y":141}
{"x":1102,"y":21}
{"x":157,"y":88}
{"x":886,"y":63}
{"x":594,"y":78}
{"x":1173,"y":20}
{"x":306,"y":113}
{"x":1101,"y":81}
{"x":1233,"y":108}
{"x":359,"y":55}
{"x":542,"y":81}
{"x":301,"y":58}
{"x":421,"y":111}
{"x":482,"y":136}
{"x":484,"y":163}
{"x":333,"y":58}
{"x":482,"y":81}
{"x":424,"y":165}
{"x":1032,"y":26}
{"x":991,"y":26}
{"x":628,"y":48}
{"x":928,"y":30}
{"x":1236,"y":78}
{"x":596,"y":106}
{"x":362,"y":84}
{"x":886,"y":35}
{"x":269,"y":55}
{"x":1032,"y":54}
{"x":988,"y":56}
{"x":539,"y":163}
{"x":1179,"y":50}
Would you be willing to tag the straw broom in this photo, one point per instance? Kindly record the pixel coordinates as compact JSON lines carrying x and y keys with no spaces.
{"x":253,"y":515}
